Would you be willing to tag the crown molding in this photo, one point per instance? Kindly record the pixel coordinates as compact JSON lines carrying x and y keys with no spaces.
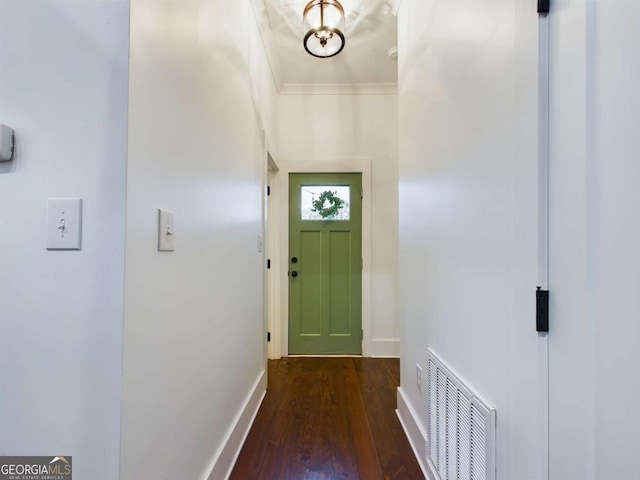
{"x":339,"y":89}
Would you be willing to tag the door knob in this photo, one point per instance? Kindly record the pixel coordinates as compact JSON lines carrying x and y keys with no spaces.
{"x":294,"y":274}
{"x":294,"y":260}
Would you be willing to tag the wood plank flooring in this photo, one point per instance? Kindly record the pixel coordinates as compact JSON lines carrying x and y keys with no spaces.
{"x":328,"y":418}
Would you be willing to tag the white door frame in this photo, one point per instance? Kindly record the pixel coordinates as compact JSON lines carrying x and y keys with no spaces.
{"x":280,"y":332}
{"x":272,"y":253}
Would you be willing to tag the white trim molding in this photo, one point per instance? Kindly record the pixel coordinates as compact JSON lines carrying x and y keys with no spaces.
{"x":226,"y":456}
{"x":338,"y":89}
{"x":416,"y":433}
{"x":273,"y":254}
{"x":332,"y":166}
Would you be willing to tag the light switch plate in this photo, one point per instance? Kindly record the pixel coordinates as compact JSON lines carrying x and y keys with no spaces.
{"x":64,"y":223}
{"x":166,"y":227}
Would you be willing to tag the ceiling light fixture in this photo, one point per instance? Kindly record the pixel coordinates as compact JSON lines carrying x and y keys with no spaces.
{"x":325,"y":20}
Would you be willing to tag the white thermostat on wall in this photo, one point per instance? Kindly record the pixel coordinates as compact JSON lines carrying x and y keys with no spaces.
{"x":6,"y":143}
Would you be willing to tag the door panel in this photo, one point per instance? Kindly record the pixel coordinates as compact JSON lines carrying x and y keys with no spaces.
{"x":310,"y":278}
{"x":594,"y":241}
{"x":325,"y":252}
{"x":340,"y":285}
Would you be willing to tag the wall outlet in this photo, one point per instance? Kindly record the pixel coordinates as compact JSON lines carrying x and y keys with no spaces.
{"x":419,"y":377}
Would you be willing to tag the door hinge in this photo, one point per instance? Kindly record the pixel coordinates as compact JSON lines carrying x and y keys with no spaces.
{"x":361,"y":334}
{"x":361,"y":263}
{"x":361,"y":193}
{"x":542,"y":310}
{"x":268,"y":336}
{"x":268,"y":263}
{"x":268,"y":190}
{"x":544,"y":6}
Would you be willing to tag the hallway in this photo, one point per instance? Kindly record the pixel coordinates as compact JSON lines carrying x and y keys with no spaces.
{"x":498,"y":155}
{"x":328,"y":418}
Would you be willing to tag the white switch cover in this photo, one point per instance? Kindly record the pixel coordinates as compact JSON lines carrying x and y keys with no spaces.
{"x":64,"y":223}
{"x":166,"y":227}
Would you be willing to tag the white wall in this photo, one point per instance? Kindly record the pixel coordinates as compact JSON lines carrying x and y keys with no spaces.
{"x":468,"y":213}
{"x":595,"y":226}
{"x":194,"y":338}
{"x":328,"y":128}
{"x":63,"y":88}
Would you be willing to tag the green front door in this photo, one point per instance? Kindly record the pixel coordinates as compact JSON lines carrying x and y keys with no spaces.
{"x":325,"y":263}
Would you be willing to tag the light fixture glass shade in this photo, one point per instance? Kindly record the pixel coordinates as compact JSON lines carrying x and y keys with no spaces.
{"x":325,"y":21}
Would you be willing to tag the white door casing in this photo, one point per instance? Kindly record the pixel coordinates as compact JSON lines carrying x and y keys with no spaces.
{"x":280,"y":326}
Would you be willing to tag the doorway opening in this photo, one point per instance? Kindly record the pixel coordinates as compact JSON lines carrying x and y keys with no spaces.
{"x":278,"y":220}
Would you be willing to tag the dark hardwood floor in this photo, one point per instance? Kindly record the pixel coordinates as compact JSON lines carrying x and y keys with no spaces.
{"x":328,"y":418}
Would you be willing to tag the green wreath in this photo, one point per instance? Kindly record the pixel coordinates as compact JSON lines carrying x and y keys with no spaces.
{"x":335,"y":204}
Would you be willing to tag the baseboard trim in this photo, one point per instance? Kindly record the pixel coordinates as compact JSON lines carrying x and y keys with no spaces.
{"x":384,"y":348}
{"x":227,"y":455}
{"x":415,"y":432}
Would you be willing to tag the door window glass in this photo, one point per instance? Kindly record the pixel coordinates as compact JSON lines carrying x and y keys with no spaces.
{"x":325,"y":202}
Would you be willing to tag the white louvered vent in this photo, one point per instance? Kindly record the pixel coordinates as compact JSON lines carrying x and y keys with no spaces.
{"x":461,"y":427}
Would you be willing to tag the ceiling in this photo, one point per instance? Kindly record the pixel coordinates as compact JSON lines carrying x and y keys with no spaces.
{"x":364,"y":66}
